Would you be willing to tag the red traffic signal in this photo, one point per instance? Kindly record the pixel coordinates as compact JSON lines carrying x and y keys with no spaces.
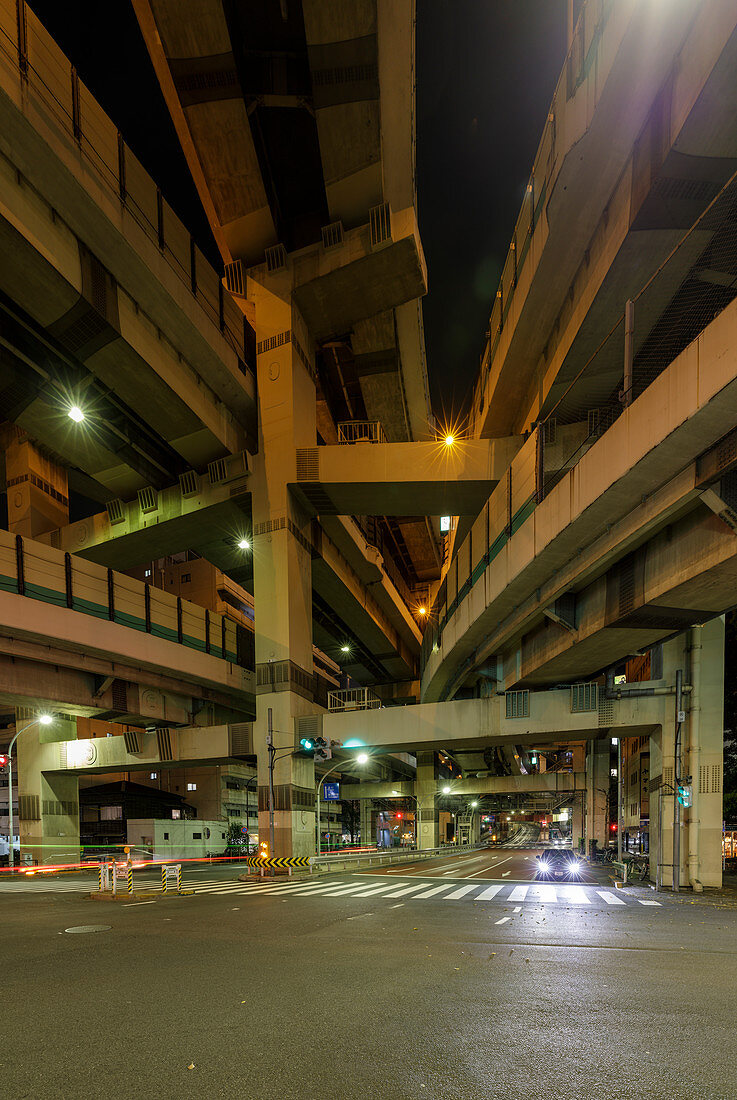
{"x":613,"y":827}
{"x":4,"y":759}
{"x":399,"y":815}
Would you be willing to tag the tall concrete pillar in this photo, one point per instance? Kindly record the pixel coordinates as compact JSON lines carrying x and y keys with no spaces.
{"x":368,"y":832}
{"x":48,"y":804}
{"x":597,"y":789}
{"x":700,"y":655}
{"x":704,"y":755}
{"x":426,"y":787}
{"x":282,"y":570}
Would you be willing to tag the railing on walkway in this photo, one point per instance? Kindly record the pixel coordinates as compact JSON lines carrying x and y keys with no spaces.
{"x":353,"y":699}
{"x":360,"y":431}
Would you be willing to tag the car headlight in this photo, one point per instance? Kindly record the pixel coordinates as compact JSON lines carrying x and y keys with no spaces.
{"x":574,"y":867}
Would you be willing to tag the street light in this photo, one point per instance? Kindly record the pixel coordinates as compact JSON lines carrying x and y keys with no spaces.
{"x":42,"y":720}
{"x":75,"y":414}
{"x":446,"y":790}
{"x":244,"y":544}
{"x":362,"y":758}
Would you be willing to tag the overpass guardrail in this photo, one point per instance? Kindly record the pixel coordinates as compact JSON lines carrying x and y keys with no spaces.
{"x":383,"y":858}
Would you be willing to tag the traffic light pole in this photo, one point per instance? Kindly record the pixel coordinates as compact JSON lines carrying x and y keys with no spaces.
{"x":272,"y":754}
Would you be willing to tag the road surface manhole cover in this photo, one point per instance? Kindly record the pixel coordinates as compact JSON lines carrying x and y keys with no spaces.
{"x":89,"y":928}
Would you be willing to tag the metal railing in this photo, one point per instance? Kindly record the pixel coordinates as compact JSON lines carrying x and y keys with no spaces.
{"x":353,"y":699}
{"x":360,"y":431}
{"x":391,"y":855}
{"x":92,"y":135}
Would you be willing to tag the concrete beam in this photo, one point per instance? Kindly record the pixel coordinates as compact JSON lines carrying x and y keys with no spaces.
{"x":470,"y":723}
{"x":403,"y":479}
{"x":95,"y":756}
{"x":546,"y":783}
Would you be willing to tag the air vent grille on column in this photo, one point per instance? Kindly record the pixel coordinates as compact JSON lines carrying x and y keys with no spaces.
{"x":119,"y":695}
{"x":332,"y":235}
{"x":189,"y":483}
{"x":241,"y":738}
{"x":163,"y":740}
{"x":29,"y":807}
{"x":307,"y":725}
{"x":380,"y":224}
{"x":115,"y":511}
{"x":308,"y":464}
{"x":276,"y":257}
{"x":235,"y":279}
{"x":217,"y":471}
{"x":606,"y":711}
{"x":148,"y":500}
{"x":132,"y":741}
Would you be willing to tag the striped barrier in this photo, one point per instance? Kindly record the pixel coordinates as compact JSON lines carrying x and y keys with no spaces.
{"x":279,"y":861}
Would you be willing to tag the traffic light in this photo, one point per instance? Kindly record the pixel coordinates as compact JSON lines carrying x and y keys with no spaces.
{"x":323,"y":749}
{"x":307,"y":745}
{"x":685,"y":792}
{"x":399,"y":815}
{"x":4,"y":761}
{"x":613,"y":826}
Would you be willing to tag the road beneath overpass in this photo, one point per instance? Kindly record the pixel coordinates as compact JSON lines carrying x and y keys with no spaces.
{"x":360,"y":985}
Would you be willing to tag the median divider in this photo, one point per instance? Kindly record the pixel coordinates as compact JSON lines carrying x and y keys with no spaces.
{"x":355,"y":860}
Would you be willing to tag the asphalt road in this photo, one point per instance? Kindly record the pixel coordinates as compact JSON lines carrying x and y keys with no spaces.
{"x":356,"y":986}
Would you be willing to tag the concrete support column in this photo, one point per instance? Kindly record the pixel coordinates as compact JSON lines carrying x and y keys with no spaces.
{"x":368,"y":831}
{"x":597,"y":787}
{"x":700,"y":655}
{"x":282,"y":571}
{"x":48,"y":804}
{"x":577,"y":819}
{"x":704,"y":755}
{"x":426,"y":787}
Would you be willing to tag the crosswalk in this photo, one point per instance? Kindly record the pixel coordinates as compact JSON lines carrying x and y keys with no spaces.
{"x":540,"y":893}
{"x":361,"y":887}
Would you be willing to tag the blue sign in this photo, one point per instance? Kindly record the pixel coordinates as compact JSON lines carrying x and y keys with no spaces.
{"x":331,"y":792}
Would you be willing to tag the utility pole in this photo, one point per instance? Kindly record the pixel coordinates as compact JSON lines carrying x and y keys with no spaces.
{"x":619,"y":800}
{"x":272,"y":753}
{"x":676,"y":785}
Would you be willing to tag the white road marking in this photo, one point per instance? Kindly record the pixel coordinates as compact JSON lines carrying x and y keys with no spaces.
{"x":519,"y":893}
{"x":374,"y":890}
{"x":544,"y":892}
{"x":405,"y":890}
{"x":577,"y":894}
{"x":433,"y":890}
{"x":610,"y":898}
{"x":399,"y":905}
{"x":649,"y":902}
{"x":517,"y":909}
{"x":489,"y":892}
{"x":459,"y":892}
{"x":503,"y":920}
{"x":131,"y":904}
{"x":505,"y":873}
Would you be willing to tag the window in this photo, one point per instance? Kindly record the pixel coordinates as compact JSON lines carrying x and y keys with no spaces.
{"x":233,"y":812}
{"x":147,"y":573}
{"x":191,"y":786}
{"x":186,"y":578}
{"x":166,"y":836}
{"x":176,"y":814}
{"x":196,"y":836}
{"x":111,"y":813}
{"x":445,"y":523}
{"x":154,"y":775}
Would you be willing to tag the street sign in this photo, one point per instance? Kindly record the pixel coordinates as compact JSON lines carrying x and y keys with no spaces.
{"x":331,"y":792}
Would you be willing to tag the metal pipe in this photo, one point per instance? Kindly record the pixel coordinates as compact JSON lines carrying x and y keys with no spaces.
{"x":629,"y":347}
{"x":694,"y":751}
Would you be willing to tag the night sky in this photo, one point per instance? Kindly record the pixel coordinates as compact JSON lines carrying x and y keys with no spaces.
{"x":486,"y":71}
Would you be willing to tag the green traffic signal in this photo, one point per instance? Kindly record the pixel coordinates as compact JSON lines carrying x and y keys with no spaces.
{"x":307,"y":745}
